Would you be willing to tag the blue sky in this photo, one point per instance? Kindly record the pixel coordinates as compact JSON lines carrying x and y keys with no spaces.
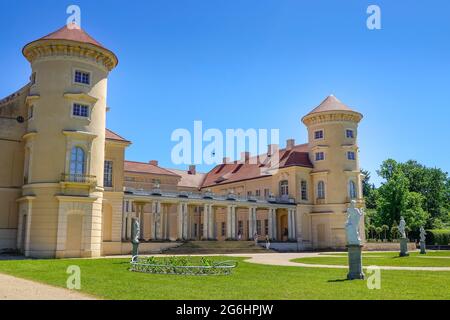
{"x":260,"y":64}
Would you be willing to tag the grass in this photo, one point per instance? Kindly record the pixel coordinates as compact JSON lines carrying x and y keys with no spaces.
{"x":110,"y":279}
{"x":415,"y":259}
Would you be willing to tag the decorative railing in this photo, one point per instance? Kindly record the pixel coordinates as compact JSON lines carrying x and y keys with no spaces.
{"x":78,"y":178}
{"x":181,"y":266}
{"x":210,"y":195}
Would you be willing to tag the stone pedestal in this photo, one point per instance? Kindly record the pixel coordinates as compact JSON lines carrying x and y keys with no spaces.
{"x":355,"y":262}
{"x":422,"y":247}
{"x":404,"y":247}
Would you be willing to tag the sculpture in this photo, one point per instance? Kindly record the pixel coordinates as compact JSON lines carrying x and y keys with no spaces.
{"x":422,"y":234}
{"x":135,"y":232}
{"x":352,"y":225}
{"x":402,"y":227}
{"x":403,"y":239}
{"x":354,"y":246}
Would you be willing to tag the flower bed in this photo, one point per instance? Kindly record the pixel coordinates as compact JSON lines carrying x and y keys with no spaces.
{"x":181,"y":265}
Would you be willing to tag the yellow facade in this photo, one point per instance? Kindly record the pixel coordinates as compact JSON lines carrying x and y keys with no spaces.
{"x":67,"y":191}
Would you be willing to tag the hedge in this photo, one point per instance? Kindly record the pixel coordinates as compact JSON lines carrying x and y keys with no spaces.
{"x":438,"y":237}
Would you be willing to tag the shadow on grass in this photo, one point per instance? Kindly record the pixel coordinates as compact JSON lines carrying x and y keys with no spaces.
{"x":339,"y":280}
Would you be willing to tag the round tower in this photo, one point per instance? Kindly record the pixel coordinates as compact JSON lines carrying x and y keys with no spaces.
{"x":65,"y":143}
{"x":336,"y":179}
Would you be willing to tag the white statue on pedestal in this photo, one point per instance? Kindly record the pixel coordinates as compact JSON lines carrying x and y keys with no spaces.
{"x":422,"y":234}
{"x":402,"y":227}
{"x":352,"y":225}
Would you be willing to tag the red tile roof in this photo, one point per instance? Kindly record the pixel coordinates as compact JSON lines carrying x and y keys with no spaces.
{"x":73,"y":33}
{"x":114,"y":136}
{"x":235,"y":172}
{"x":144,"y":167}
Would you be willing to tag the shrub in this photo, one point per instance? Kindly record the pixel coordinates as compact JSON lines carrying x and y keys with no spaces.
{"x":438,"y":237}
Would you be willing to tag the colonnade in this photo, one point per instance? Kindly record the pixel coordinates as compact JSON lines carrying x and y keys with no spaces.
{"x":160,"y":224}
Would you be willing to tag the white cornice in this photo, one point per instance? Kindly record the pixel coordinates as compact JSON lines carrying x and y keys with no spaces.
{"x":82,"y":134}
{"x":80,"y":96}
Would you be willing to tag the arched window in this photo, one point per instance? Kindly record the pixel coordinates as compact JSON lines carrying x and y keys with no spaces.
{"x":77,"y":162}
{"x":284,"y":188}
{"x":321,"y":190}
{"x":352,"y":189}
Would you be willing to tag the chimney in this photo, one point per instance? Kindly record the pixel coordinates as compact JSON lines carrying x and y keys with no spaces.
{"x":245,"y":156}
{"x":272,"y":148}
{"x":192,"y":169}
{"x":153,"y":162}
{"x":290,"y":143}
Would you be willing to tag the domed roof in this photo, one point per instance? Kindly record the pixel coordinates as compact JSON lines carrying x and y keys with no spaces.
{"x":331,"y":104}
{"x":72,"y":35}
{"x":72,"y":32}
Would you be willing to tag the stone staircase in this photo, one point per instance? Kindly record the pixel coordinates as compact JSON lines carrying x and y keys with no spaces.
{"x":216,"y":247}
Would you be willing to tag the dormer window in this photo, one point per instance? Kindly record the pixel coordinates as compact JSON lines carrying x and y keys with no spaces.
{"x":320,"y":156}
{"x":318,"y":134}
{"x":82,"y":77}
{"x":349,"y":134}
{"x":351,"y":155}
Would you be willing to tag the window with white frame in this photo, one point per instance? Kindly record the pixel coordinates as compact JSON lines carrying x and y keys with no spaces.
{"x":351,"y":155}
{"x":223,"y":229}
{"x":259,"y":227}
{"x":349,"y":133}
{"x":321,"y":190}
{"x":80,"y":110}
{"x":320,"y":156}
{"x":352,"y":189}
{"x":284,"y":188}
{"x":318,"y":134}
{"x":304,"y":190}
{"x":266,"y":226}
{"x":266,"y":193}
{"x":249,"y":193}
{"x":108,"y":174}
{"x":258,"y":193}
{"x":82,"y":77}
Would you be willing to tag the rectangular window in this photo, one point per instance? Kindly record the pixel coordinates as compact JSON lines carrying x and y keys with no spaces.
{"x":349,"y":133}
{"x":241,"y":227}
{"x":320,"y":156}
{"x":195,"y":230}
{"x":258,"y":193}
{"x":266,"y":227}
{"x":127,"y":206}
{"x":266,"y":193}
{"x":108,"y":174}
{"x":80,"y":110}
{"x":304,"y":190}
{"x":249,"y":193}
{"x":82,"y":77}
{"x":258,"y":227}
{"x":318,"y":134}
{"x":351,"y":155}
{"x":224,"y":228}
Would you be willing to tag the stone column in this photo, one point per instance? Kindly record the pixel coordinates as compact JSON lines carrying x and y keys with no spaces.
{"x":273,"y":224}
{"x":291,"y":224}
{"x":180,"y":220}
{"x":233,"y":222}
{"x":229,"y":213}
{"x":156,"y":232}
{"x":185,"y":221}
{"x":251,"y":222}
{"x":205,"y":221}
{"x":211,"y":223}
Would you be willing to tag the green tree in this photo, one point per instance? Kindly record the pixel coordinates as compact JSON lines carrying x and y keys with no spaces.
{"x":394,"y":231}
{"x":378,"y":230}
{"x":370,"y":193}
{"x":385,"y":229}
{"x":392,"y":200}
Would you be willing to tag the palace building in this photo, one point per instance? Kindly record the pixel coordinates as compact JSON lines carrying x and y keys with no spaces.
{"x":66,"y":189}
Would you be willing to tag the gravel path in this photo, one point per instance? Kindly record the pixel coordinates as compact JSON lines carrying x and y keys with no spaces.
{"x":12,"y":288}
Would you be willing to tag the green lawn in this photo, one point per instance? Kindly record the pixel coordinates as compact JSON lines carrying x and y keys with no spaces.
{"x":110,"y":279}
{"x":431,"y":259}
